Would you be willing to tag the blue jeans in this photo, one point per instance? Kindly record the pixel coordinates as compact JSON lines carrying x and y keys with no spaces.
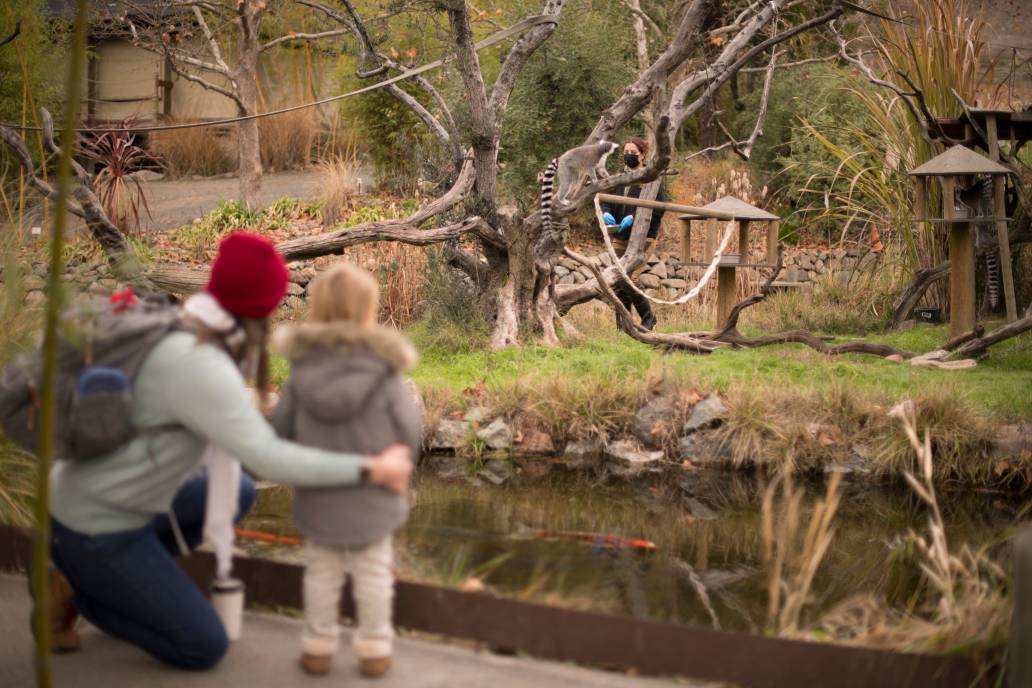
{"x":129,"y":585}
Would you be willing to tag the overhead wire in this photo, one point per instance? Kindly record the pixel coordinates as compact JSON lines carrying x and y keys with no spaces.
{"x":407,"y":74}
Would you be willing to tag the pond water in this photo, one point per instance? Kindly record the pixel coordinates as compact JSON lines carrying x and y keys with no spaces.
{"x":542,"y":544}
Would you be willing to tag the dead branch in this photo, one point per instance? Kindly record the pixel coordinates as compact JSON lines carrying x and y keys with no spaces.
{"x":905,"y":303}
{"x":790,"y":65}
{"x":978,"y":347}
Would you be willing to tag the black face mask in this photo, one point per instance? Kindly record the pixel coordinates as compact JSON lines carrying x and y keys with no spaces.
{"x":631,"y":161}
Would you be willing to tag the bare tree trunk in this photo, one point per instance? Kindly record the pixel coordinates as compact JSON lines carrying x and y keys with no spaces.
{"x":249,"y":150}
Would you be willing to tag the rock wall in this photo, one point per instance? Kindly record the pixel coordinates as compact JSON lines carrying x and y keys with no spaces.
{"x":666,"y":276}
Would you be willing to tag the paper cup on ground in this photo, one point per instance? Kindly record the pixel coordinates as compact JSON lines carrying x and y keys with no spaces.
{"x":227,"y":596}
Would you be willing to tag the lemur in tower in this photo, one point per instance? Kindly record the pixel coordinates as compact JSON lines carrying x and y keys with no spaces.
{"x":977,"y":201}
{"x":573,"y":168}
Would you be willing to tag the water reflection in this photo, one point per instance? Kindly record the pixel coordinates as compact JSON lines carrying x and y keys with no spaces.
{"x":707,"y":567}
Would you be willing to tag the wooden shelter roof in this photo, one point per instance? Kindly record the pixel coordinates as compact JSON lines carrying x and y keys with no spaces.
{"x":736,"y":206}
{"x":956,"y":161}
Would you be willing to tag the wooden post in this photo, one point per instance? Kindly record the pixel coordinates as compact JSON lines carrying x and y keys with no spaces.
{"x":962,"y":266}
{"x":773,"y":228}
{"x":726,"y":288}
{"x":686,"y":240}
{"x":1000,"y":211}
{"x":743,"y":241}
{"x":710,"y":240}
{"x":993,"y":144}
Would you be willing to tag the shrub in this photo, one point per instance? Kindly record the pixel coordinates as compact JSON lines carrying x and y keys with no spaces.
{"x":204,"y":233}
{"x":339,"y":183}
{"x":199,"y":150}
{"x":288,"y":141}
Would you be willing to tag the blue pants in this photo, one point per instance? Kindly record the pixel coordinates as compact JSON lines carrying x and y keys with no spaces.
{"x":128,"y":584}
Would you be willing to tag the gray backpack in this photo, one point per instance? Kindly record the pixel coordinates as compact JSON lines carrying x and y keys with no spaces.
{"x":102,"y":346}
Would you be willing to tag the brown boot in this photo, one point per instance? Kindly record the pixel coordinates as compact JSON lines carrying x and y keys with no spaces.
{"x":316,"y":665}
{"x":63,"y":616}
{"x":375,"y":667}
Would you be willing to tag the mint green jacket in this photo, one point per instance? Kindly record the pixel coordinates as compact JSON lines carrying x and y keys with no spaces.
{"x":199,"y":387}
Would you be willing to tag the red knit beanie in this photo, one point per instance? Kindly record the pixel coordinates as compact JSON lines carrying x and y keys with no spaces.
{"x":249,"y":277}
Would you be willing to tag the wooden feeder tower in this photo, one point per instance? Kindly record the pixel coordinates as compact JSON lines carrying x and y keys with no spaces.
{"x":727,"y":269}
{"x":958,"y":166}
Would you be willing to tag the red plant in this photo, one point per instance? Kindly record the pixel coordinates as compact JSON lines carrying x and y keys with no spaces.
{"x":121,"y":194}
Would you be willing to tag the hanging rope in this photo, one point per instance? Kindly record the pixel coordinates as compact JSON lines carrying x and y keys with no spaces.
{"x":407,"y":74}
{"x":684,"y":298}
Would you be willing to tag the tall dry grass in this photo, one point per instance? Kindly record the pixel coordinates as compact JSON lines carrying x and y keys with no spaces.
{"x":794,"y":550}
{"x":963,"y":605}
{"x":289,"y":141}
{"x":400,"y":270}
{"x":339,"y":181}
{"x":201,"y":150}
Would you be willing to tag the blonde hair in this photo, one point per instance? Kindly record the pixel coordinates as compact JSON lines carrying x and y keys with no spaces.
{"x":344,"y":292}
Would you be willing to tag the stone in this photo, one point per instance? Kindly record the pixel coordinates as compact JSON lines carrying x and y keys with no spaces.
{"x":450,"y":434}
{"x":707,"y":413}
{"x":33,"y":282}
{"x":108,"y":284}
{"x":561,"y":271}
{"x":652,"y":422}
{"x":802,"y":276}
{"x":294,"y":303}
{"x":819,"y":265}
{"x":686,"y":447}
{"x":649,"y":280}
{"x":652,"y":259}
{"x":1014,"y":441}
{"x":844,"y":277}
{"x":578,"y":278}
{"x":497,"y":435}
{"x":35,"y":298}
{"x":848,"y":263}
{"x":675,"y":283}
{"x":295,"y":289}
{"x":659,"y":270}
{"x":497,"y":471}
{"x":477,"y":414}
{"x":806,"y":261}
{"x":584,"y":452}
{"x":535,"y":442}
{"x":97,"y":289}
{"x":566,"y":279}
{"x":624,"y":458}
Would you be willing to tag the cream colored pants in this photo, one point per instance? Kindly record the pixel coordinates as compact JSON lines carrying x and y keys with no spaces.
{"x":372,"y":583}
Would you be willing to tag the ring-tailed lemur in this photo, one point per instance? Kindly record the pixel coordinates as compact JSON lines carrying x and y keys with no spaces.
{"x":977,"y":201}
{"x":573,"y":167}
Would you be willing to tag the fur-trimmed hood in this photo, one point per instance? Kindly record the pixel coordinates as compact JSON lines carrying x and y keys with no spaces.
{"x":297,"y":340}
{"x":339,"y":368}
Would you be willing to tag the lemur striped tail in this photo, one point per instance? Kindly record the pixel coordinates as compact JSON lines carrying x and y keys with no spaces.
{"x":547,"y":187}
{"x":992,"y":278}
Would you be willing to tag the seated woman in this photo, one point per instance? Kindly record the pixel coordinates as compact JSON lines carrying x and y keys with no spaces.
{"x":117,"y":519}
{"x":621,"y":218}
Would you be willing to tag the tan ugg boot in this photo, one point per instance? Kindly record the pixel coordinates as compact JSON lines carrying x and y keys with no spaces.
{"x":375,"y":667}
{"x":63,"y":615}
{"x":316,"y":665}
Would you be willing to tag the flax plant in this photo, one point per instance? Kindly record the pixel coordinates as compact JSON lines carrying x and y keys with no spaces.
{"x":48,"y":386}
{"x":936,"y":47}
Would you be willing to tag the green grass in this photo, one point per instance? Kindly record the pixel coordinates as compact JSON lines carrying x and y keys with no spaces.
{"x":1001,"y":384}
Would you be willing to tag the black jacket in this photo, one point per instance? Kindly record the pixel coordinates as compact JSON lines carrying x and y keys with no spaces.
{"x":620,"y":211}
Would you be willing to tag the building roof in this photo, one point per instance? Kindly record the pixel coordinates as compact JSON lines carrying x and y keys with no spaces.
{"x":958,"y":160}
{"x":739,"y":208}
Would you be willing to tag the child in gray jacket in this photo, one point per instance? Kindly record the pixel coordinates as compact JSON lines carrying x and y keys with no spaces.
{"x":346,"y":393}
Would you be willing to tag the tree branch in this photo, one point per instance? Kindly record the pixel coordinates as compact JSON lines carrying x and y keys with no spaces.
{"x":518,"y":56}
{"x":303,"y":37}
